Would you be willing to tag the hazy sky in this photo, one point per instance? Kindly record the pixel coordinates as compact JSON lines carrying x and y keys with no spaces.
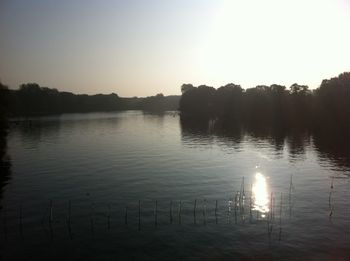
{"x":141,"y":48}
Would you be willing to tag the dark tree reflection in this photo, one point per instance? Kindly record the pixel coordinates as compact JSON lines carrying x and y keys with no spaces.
{"x":5,"y":163}
{"x":334,"y":145}
{"x":329,"y":144}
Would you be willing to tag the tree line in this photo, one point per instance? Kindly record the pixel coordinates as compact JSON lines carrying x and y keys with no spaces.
{"x":275,"y":105}
{"x":33,"y":100}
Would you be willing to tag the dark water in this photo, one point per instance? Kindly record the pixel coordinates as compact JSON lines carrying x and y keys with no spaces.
{"x":98,"y":165}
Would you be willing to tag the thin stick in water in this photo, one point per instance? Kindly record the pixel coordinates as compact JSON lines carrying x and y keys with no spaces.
{"x":126,"y":215}
{"x":92,"y":213}
{"x":332,"y":183}
{"x":5,"y":224}
{"x":51,"y":219}
{"x":280,"y":232}
{"x":69,"y":220}
{"x":236,"y":206}
{"x":194,"y":211}
{"x":251,"y":204}
{"x":171,"y":211}
{"x":290,"y":195}
{"x":229,"y":212}
{"x":271,"y":213}
{"x":273,"y":209}
{"x":21,"y":220}
{"x":216,"y":212}
{"x":139,"y":226}
{"x":204,"y":212}
{"x":155,"y":213}
{"x":180,"y":212}
{"x":51,"y":212}
{"x":109,"y":217}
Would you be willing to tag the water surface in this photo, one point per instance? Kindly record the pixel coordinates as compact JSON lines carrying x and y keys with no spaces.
{"x":99,"y":164}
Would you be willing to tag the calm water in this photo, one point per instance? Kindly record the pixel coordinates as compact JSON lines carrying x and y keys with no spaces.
{"x":105,"y":163}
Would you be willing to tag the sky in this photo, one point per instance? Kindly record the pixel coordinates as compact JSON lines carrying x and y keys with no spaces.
{"x":141,"y":48}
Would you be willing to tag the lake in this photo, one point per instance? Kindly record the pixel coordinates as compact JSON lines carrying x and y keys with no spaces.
{"x":137,"y":185}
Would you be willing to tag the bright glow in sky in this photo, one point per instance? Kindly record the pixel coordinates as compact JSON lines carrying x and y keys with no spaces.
{"x":141,"y":48}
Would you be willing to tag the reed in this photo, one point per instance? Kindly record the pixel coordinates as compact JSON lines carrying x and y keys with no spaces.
{"x":216,"y":211}
{"x":251,"y":204}
{"x":330,"y":197}
{"x":241,"y":209}
{"x":139,"y":225}
{"x":270,"y":218}
{"x":5,"y":224}
{"x":171,"y":211}
{"x":332,"y":183}
{"x":68,"y":220}
{"x":331,"y":212}
{"x":194,"y":211}
{"x":204,"y":212}
{"x":241,"y":193}
{"x":290,"y":195}
{"x":156,"y":213}
{"x":92,"y":214}
{"x":330,"y":204}
{"x":51,"y":212}
{"x":280,"y":219}
{"x":21,"y":220}
{"x":69,"y":210}
{"x":51,"y":219}
{"x":273,"y":209}
{"x":228,"y":212}
{"x":109,"y":217}
{"x":236,"y":206}
{"x":44,"y":216}
{"x":180,"y":206}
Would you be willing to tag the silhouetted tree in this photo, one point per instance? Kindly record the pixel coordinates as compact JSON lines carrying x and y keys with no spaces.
{"x":186,"y":87}
{"x":31,"y":99}
{"x":4,"y":108}
{"x":5,"y":163}
{"x":332,"y":102}
{"x":228,"y":101}
{"x":298,"y":107}
{"x":198,"y":101}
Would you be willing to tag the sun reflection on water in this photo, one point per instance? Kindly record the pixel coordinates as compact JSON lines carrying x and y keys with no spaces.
{"x":260,"y":194}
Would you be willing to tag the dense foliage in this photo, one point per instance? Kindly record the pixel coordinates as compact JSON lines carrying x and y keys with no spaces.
{"x":31,"y":99}
{"x":328,"y":105}
{"x":4,"y":103}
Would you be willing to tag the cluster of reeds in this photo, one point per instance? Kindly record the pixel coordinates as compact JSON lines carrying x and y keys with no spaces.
{"x":236,"y":206}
